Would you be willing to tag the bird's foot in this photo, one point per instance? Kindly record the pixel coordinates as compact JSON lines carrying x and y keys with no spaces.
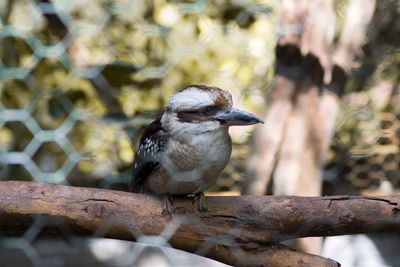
{"x":202,"y":202}
{"x":168,"y":205}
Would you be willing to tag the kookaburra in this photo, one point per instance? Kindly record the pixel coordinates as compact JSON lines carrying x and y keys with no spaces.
{"x":184,"y":151}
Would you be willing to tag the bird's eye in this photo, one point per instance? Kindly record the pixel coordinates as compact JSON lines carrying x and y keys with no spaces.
{"x":210,"y":110}
{"x":190,"y":111}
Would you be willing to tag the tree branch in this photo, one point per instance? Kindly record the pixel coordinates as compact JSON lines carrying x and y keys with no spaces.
{"x":232,"y":227}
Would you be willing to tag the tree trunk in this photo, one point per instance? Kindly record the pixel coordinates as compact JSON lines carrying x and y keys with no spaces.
{"x":300,"y":124}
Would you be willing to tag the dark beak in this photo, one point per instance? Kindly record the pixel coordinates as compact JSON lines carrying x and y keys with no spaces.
{"x":237,"y":117}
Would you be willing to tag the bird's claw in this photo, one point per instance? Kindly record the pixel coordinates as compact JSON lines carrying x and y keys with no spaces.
{"x":202,"y":202}
{"x":168,"y":205}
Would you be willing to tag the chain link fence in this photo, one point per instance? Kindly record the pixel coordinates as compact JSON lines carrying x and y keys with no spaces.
{"x":79,"y":80}
{"x":77,"y":86}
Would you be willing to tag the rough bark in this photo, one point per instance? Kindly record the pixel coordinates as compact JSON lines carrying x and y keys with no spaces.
{"x":358,"y":16}
{"x":293,"y":144}
{"x":268,"y":138}
{"x":300,"y":133}
{"x":235,"y":230}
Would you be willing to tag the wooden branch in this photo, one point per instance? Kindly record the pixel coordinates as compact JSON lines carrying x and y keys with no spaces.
{"x":271,"y":255}
{"x":232,"y":227}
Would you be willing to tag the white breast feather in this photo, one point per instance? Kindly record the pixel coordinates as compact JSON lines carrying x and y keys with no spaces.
{"x":214,"y":147}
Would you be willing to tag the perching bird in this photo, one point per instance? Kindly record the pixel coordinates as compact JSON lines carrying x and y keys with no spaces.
{"x":184,"y":151}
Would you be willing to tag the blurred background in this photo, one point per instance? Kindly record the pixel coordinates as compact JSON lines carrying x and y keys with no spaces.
{"x":79,"y":81}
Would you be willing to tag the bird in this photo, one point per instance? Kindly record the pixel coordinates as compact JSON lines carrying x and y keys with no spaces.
{"x":184,"y":151}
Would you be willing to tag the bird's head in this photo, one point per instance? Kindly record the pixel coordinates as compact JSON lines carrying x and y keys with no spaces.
{"x":200,"y":108}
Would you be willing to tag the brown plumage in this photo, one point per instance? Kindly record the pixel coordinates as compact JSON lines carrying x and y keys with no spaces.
{"x":184,"y":152}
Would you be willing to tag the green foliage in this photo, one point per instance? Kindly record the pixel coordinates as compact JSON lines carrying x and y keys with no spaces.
{"x":91,"y":74}
{"x":78,"y":85}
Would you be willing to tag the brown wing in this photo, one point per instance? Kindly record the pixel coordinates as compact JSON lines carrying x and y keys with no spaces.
{"x":151,"y":147}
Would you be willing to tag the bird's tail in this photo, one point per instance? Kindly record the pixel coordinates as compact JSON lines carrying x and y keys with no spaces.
{"x":135,"y":186}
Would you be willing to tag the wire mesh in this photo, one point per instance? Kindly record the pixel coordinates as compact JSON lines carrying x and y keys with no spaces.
{"x":79,"y":80}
